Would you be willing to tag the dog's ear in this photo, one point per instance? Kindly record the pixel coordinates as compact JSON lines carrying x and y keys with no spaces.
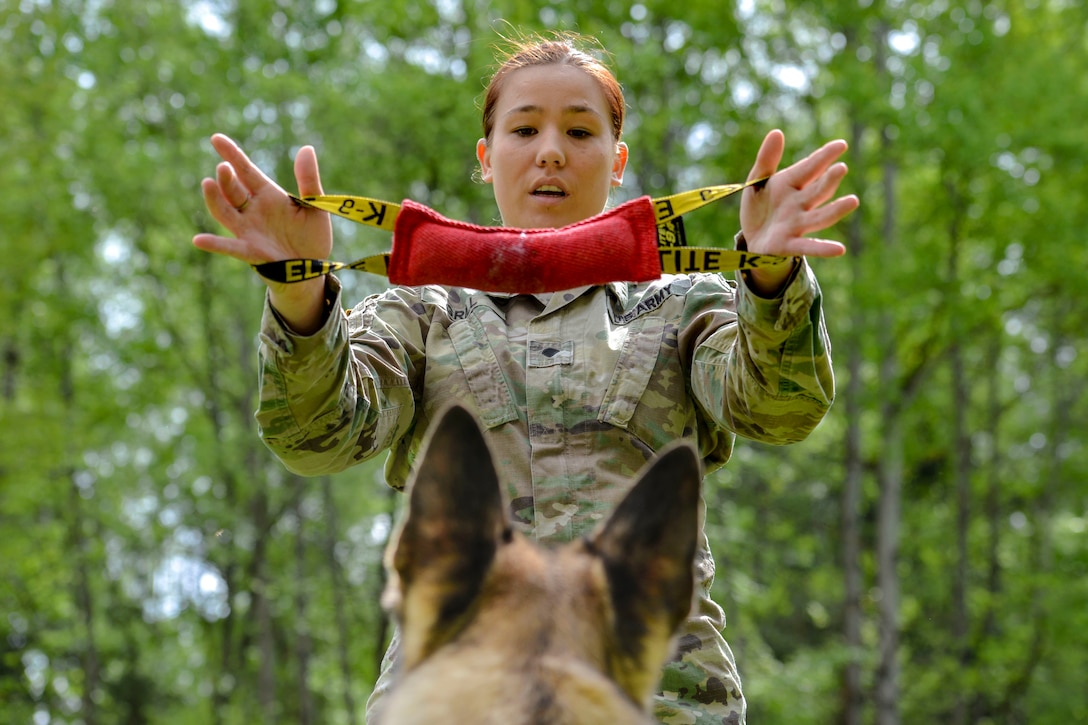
{"x":648,"y":548}
{"x":454,"y":522}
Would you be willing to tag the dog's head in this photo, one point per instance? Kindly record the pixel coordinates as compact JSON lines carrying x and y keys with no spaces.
{"x":483,"y":609}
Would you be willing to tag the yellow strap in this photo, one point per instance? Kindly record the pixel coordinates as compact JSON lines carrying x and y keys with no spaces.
{"x":300,"y":270}
{"x":676,"y":257}
{"x":674,"y":260}
{"x":683,"y":260}
{"x":359,"y":209}
{"x":667,"y":208}
{"x":383,"y":214}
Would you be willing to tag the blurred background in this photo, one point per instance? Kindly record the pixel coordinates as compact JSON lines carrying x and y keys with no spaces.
{"x":921,"y":558}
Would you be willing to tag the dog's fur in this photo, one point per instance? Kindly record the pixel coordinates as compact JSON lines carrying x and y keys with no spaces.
{"x":497,"y":629}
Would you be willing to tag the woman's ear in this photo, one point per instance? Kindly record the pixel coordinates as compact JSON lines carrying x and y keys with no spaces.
{"x":483,"y":154}
{"x":619,"y":163}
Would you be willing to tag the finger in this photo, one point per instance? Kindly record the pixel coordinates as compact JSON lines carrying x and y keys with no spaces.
{"x":230,"y":246}
{"x":825,"y":187}
{"x":248,"y":173}
{"x":804,"y":171}
{"x":220,"y":207}
{"x":830,"y":214}
{"x":306,"y":172}
{"x":812,"y":247}
{"x":231,"y":187}
{"x":769,"y":155}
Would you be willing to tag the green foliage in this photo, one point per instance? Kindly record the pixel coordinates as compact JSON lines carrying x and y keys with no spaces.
{"x":159,"y":566}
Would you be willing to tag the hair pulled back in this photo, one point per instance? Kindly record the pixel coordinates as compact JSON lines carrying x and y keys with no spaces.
{"x":563,"y":49}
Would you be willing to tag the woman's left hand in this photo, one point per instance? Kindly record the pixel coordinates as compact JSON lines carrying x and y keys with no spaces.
{"x":795,"y":202}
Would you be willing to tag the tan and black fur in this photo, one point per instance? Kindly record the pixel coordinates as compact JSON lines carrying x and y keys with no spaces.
{"x":497,"y":629}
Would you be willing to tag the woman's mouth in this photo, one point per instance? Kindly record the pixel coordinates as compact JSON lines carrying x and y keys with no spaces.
{"x":549,"y":190}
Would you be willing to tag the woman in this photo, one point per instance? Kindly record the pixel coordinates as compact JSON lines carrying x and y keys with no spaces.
{"x":576,"y":389}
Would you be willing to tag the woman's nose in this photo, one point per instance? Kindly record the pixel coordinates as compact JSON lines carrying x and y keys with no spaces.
{"x":550,"y":150}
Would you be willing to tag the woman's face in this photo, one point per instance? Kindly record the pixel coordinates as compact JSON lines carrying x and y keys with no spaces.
{"x":551,"y":159}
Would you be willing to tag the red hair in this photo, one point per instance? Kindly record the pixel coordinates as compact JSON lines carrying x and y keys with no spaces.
{"x":562,"y":50}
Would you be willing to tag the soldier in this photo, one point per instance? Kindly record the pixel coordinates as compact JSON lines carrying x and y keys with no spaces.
{"x":575,"y":389}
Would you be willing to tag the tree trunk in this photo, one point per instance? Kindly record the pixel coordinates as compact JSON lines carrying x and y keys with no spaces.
{"x":852,"y":696}
{"x":10,"y":364}
{"x":891,"y":469}
{"x":339,"y":608}
{"x":89,"y":658}
{"x":88,"y":651}
{"x":983,"y":702}
{"x":262,"y":608}
{"x":304,"y":644}
{"x":888,"y":521}
{"x":962,"y":461}
{"x":961,"y":456}
{"x":382,"y":634}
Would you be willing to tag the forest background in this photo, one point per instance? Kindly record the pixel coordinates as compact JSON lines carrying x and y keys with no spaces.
{"x":921,"y":558}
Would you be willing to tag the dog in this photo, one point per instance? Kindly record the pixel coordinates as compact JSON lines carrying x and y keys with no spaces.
{"x":496,"y":628}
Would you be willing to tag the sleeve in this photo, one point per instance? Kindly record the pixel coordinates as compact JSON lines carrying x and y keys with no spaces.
{"x":766,"y":372}
{"x":344,"y":394}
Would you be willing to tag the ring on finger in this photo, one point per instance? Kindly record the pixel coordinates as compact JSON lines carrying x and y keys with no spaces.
{"x":244,"y":204}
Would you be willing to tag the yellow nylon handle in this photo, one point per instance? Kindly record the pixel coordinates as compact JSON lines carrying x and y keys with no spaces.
{"x":383,"y":214}
{"x":676,"y":258}
{"x":667,"y":208}
{"x":359,"y":209}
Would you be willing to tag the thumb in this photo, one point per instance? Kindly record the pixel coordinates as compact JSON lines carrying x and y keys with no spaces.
{"x":306,"y":173}
{"x":769,"y":156}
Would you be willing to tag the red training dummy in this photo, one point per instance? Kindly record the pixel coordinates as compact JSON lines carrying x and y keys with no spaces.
{"x":618,"y":244}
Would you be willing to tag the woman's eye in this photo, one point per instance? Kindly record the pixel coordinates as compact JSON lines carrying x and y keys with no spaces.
{"x":524,"y":131}
{"x":579,"y":133}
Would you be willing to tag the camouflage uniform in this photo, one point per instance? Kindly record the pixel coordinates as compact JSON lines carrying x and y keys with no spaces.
{"x":576,"y":390}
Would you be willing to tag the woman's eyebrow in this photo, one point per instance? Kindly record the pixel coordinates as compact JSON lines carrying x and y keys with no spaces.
{"x":573,"y":109}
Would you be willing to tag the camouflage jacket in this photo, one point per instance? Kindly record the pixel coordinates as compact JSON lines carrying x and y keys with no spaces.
{"x":576,"y":389}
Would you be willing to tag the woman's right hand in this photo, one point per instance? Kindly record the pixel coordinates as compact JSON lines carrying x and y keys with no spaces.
{"x":268,"y":226}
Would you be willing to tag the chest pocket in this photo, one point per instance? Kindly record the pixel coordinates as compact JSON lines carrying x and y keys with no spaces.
{"x":483,"y":374}
{"x":635,"y":366}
